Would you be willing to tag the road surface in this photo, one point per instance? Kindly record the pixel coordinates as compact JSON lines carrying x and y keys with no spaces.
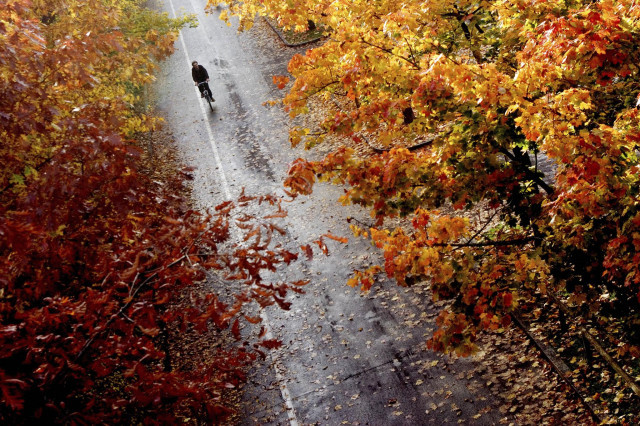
{"x":348,"y":358}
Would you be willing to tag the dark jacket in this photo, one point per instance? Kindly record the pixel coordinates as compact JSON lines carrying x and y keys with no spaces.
{"x":200,"y":74}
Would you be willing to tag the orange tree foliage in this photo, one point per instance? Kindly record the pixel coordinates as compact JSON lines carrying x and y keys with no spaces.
{"x":491,"y":86}
{"x":94,"y":255}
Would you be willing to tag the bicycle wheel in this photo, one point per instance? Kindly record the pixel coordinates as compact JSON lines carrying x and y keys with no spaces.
{"x":209,"y":101}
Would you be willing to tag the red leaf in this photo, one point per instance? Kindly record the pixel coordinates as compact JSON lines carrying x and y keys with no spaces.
{"x":253,"y":320}
{"x":15,"y":402}
{"x":307,"y":251}
{"x":507,"y":299}
{"x":235,"y":329}
{"x":343,"y":240}
{"x":281,"y":213}
{"x":592,"y":168}
{"x":322,"y":246}
{"x":271,"y":344}
{"x":223,"y":205}
{"x":280,"y":81}
{"x":506,"y":320}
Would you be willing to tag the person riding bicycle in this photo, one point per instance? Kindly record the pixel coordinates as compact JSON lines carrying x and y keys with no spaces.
{"x":200,"y":75}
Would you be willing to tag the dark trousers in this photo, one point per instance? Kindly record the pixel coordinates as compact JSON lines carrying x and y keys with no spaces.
{"x":204,"y":86}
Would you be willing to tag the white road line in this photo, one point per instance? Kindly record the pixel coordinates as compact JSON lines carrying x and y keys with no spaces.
{"x":279,"y":370}
{"x":212,"y":142}
{"x":277,"y":367}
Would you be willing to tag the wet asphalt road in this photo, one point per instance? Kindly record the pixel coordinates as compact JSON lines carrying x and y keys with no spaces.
{"x":348,"y":358}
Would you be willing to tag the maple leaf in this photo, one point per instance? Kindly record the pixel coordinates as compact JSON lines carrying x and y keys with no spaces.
{"x":271,"y":344}
{"x":280,"y":81}
{"x":342,"y":240}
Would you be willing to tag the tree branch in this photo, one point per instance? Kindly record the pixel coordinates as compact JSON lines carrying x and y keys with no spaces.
{"x":413,"y":56}
{"x":389,"y":51}
{"x":514,"y":242}
{"x":304,"y":98}
{"x":483,"y":227}
{"x":531,"y":175}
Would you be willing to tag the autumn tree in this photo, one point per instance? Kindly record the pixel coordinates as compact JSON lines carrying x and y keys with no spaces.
{"x":463,"y":101}
{"x":96,"y":257}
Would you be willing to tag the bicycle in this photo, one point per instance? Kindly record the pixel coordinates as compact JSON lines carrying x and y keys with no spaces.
{"x":207,"y":95}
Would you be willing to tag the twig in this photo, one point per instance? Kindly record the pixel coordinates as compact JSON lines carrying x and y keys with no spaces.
{"x":390,"y":52}
{"x":483,"y":227}
{"x":320,"y":89}
{"x":128,"y":318}
{"x":133,"y":283}
{"x":411,"y":148}
{"x":349,"y":219}
{"x":413,"y":56}
{"x":283,"y":38}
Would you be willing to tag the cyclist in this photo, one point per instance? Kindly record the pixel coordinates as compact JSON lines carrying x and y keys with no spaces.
{"x":200,"y":75}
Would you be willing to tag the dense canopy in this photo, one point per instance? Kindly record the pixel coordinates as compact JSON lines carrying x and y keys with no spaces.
{"x":466,"y":101}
